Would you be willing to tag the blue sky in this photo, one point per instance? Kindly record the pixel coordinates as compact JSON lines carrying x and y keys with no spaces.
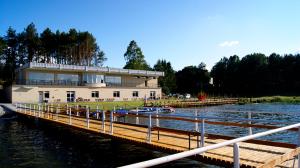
{"x":184,"y":32}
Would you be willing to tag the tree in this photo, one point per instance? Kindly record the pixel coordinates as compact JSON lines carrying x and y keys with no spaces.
{"x":134,"y":57}
{"x":193,"y":79}
{"x":168,"y":82}
{"x":32,"y":42}
{"x":10,"y":54}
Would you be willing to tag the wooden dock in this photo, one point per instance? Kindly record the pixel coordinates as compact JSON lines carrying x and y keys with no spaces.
{"x":252,"y":153}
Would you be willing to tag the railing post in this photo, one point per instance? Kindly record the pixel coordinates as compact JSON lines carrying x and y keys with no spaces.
{"x":202,"y":130}
{"x":56,"y":111}
{"x":196,"y":123}
{"x":48,"y":111}
{"x":236,"y":155}
{"x":39,"y":109}
{"x":137,"y":120}
{"x":149,"y":128}
{"x":30,"y":109}
{"x":103,"y":121}
{"x":87,"y":116}
{"x":97,"y":112}
{"x":299,"y":146}
{"x":249,"y":122}
{"x":70,"y":115}
{"x":24,"y":108}
{"x":157,"y":119}
{"x":34,"y":110}
{"x":111,"y":121}
{"x":77,"y":109}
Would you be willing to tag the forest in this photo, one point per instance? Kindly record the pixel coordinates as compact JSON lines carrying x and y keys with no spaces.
{"x":252,"y":75}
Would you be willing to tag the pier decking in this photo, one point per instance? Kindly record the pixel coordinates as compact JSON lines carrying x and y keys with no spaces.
{"x":252,"y":153}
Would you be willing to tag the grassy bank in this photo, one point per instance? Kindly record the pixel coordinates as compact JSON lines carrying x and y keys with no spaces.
{"x":271,"y":99}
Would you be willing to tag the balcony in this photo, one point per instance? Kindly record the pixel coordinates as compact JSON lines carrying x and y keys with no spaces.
{"x":79,"y":83}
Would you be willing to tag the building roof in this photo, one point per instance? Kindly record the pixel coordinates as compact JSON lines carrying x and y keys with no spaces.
{"x":77,"y":68}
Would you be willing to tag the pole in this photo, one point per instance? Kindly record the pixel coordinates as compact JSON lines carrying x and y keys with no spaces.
{"x":39,"y":110}
{"x":202,"y":131}
{"x":298,"y":146}
{"x":149,"y":128}
{"x":249,"y":122}
{"x":87,"y":117}
{"x":111,"y":122}
{"x":103,"y":121}
{"x":157,"y":119}
{"x":97,"y":112}
{"x":56,"y":111}
{"x":137,"y":120}
{"x":236,"y":155}
{"x":70,"y":116}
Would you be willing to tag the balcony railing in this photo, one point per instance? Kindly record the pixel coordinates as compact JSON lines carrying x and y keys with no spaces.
{"x":93,"y":69}
{"x":79,"y":83}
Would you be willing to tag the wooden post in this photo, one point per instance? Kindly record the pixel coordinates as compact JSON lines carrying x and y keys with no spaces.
{"x":34,"y":110}
{"x":149,"y":128}
{"x":103,"y":121}
{"x":236,"y":155}
{"x":87,"y":112}
{"x":196,"y":123}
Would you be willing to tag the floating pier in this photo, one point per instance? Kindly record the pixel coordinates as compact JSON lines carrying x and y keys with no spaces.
{"x":247,"y":152}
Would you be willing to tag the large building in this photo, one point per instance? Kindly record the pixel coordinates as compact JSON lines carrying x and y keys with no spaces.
{"x":42,"y":82}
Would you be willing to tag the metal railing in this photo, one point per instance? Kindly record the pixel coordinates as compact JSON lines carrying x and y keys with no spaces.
{"x":94,"y":69}
{"x":80,"y":83}
{"x":42,"y":109}
{"x":234,"y":142}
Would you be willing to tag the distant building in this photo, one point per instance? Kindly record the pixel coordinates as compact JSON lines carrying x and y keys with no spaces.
{"x":42,"y":82}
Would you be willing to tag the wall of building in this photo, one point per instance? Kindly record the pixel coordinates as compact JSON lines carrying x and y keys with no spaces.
{"x":30,"y":94}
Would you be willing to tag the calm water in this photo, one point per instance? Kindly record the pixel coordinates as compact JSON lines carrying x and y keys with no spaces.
{"x":28,"y":143}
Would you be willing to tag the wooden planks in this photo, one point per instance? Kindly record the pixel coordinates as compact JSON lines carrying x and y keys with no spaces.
{"x":251,"y":154}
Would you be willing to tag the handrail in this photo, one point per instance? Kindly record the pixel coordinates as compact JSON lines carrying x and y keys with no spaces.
{"x":197,"y":151}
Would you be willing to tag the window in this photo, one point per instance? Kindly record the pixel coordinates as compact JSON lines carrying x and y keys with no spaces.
{"x":46,"y":95}
{"x":93,"y":78}
{"x":70,"y":96}
{"x":152,"y":94}
{"x":116,"y":94}
{"x":39,"y":76}
{"x":68,"y":77}
{"x":113,"y":80}
{"x":135,"y":94}
{"x":95,"y":93}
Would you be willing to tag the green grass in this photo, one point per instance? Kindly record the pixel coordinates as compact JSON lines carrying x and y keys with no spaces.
{"x":272,"y":99}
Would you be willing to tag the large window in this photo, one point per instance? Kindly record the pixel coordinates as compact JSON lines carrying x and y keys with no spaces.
{"x":67,"y":77}
{"x":39,"y":76}
{"x":114,"y":80}
{"x":93,"y":78}
{"x":95,"y":93}
{"x":116,"y":94}
{"x":135,"y":94}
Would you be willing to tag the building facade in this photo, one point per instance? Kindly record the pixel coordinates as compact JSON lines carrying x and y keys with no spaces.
{"x":42,"y":82}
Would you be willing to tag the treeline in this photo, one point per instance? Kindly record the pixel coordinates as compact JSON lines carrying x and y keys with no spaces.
{"x":72,"y":47}
{"x":257,"y":74}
